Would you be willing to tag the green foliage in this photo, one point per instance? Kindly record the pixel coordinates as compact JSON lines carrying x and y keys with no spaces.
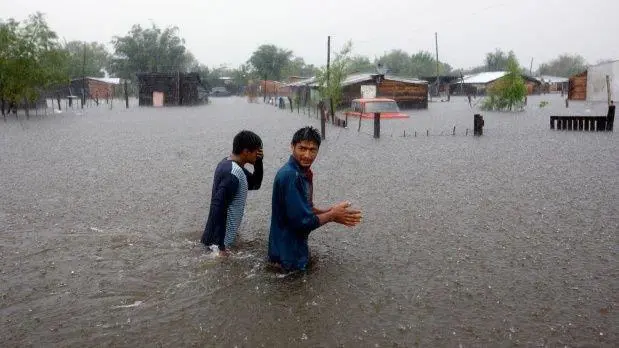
{"x":31,"y":59}
{"x":86,"y":59}
{"x":150,"y":50}
{"x":565,"y":65}
{"x":269,"y":61}
{"x":543,"y":104}
{"x":507,"y":93}
{"x":420,"y":64}
{"x":495,"y":61}
{"x":297,"y":67}
{"x":360,"y":64}
{"x":499,"y":60}
{"x":331,"y":88}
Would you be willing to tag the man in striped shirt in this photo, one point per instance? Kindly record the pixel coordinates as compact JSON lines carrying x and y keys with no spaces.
{"x":229,"y":194}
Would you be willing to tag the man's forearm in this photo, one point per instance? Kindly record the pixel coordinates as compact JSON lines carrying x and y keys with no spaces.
{"x":319,"y":211}
{"x":325,"y":218}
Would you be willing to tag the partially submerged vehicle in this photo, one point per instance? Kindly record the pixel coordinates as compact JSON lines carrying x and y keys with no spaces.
{"x":367,"y":107}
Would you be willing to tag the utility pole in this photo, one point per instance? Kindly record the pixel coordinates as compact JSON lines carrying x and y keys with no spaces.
{"x":438,"y":83}
{"x":322,"y":118}
{"x":531,"y":68}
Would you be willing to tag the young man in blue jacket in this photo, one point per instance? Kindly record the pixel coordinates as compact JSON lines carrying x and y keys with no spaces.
{"x":294,"y":215}
{"x":229,"y":194}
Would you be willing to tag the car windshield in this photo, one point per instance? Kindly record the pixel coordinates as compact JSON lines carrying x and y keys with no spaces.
{"x":381,"y":106}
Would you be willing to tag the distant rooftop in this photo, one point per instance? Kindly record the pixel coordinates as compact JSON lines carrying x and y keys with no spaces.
{"x":484,"y":77}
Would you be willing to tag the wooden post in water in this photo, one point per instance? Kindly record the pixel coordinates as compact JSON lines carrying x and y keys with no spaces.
{"x":610,"y":117}
{"x":377,"y":125}
{"x":126,"y":96}
{"x":322,"y":120}
{"x":478,"y":125}
{"x":608,"y":88}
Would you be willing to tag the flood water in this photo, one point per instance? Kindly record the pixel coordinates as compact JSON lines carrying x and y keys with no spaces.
{"x":509,"y":239}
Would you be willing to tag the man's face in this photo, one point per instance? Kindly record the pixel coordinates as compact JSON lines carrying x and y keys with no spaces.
{"x":250,"y":156}
{"x":305,"y":152}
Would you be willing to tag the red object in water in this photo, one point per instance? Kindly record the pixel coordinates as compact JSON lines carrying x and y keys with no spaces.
{"x":366,"y":107}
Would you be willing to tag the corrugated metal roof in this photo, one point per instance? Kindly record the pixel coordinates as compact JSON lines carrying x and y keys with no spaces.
{"x":612,"y":62}
{"x":552,"y":79}
{"x":358,"y":78}
{"x":484,"y":77}
{"x":110,"y":80}
{"x":304,"y":82}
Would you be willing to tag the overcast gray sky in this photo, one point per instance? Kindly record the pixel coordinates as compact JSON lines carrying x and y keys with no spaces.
{"x":222,"y":32}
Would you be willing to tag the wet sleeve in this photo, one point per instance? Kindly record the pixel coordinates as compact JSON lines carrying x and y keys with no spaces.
{"x":299,"y":212}
{"x":221,"y":201}
{"x":254,"y":180}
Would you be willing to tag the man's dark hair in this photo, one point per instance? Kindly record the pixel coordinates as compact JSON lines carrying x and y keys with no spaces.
{"x":308,"y":133}
{"x":246,"y":140}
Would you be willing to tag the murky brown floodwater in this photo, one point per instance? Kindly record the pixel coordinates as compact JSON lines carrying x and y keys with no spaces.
{"x":505,"y":240}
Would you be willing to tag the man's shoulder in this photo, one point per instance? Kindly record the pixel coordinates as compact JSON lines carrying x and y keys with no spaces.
{"x":224,"y":165}
{"x":225,"y":170}
{"x":286,"y":172}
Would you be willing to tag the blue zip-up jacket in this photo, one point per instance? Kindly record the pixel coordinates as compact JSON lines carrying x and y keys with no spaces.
{"x":292,"y":217}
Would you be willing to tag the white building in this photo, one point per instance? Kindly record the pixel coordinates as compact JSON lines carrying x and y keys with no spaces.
{"x":597,"y":90}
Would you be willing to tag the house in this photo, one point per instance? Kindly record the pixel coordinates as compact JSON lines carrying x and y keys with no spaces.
{"x":96,"y":88}
{"x":173,"y":88}
{"x":551,"y":84}
{"x":272,"y":88}
{"x":444,"y":83}
{"x":479,"y":84}
{"x":407,"y":92}
{"x":305,"y":89}
{"x":598,"y":88}
{"x":577,"y":87}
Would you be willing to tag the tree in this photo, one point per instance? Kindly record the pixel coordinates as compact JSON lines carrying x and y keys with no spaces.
{"x":397,"y":61}
{"x":360,"y":64}
{"x":508,"y":92}
{"x":269,"y":61}
{"x":297,"y":67}
{"x":565,"y":66}
{"x":423,"y":63}
{"x":499,"y":60}
{"x":331,"y":88}
{"x":149,"y":50}
{"x":95,"y":55}
{"x":31,"y":60}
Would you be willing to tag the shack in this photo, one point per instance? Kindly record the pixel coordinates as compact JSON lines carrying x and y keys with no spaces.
{"x":172,"y":88}
{"x":407,"y":92}
{"x":577,"y":87}
{"x":479,"y":84}
{"x":603,"y":82}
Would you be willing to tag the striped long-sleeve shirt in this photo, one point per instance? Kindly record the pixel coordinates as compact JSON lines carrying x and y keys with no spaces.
{"x":228,"y":197}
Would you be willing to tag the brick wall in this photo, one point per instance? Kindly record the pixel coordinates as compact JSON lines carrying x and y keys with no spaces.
{"x":100,"y":90}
